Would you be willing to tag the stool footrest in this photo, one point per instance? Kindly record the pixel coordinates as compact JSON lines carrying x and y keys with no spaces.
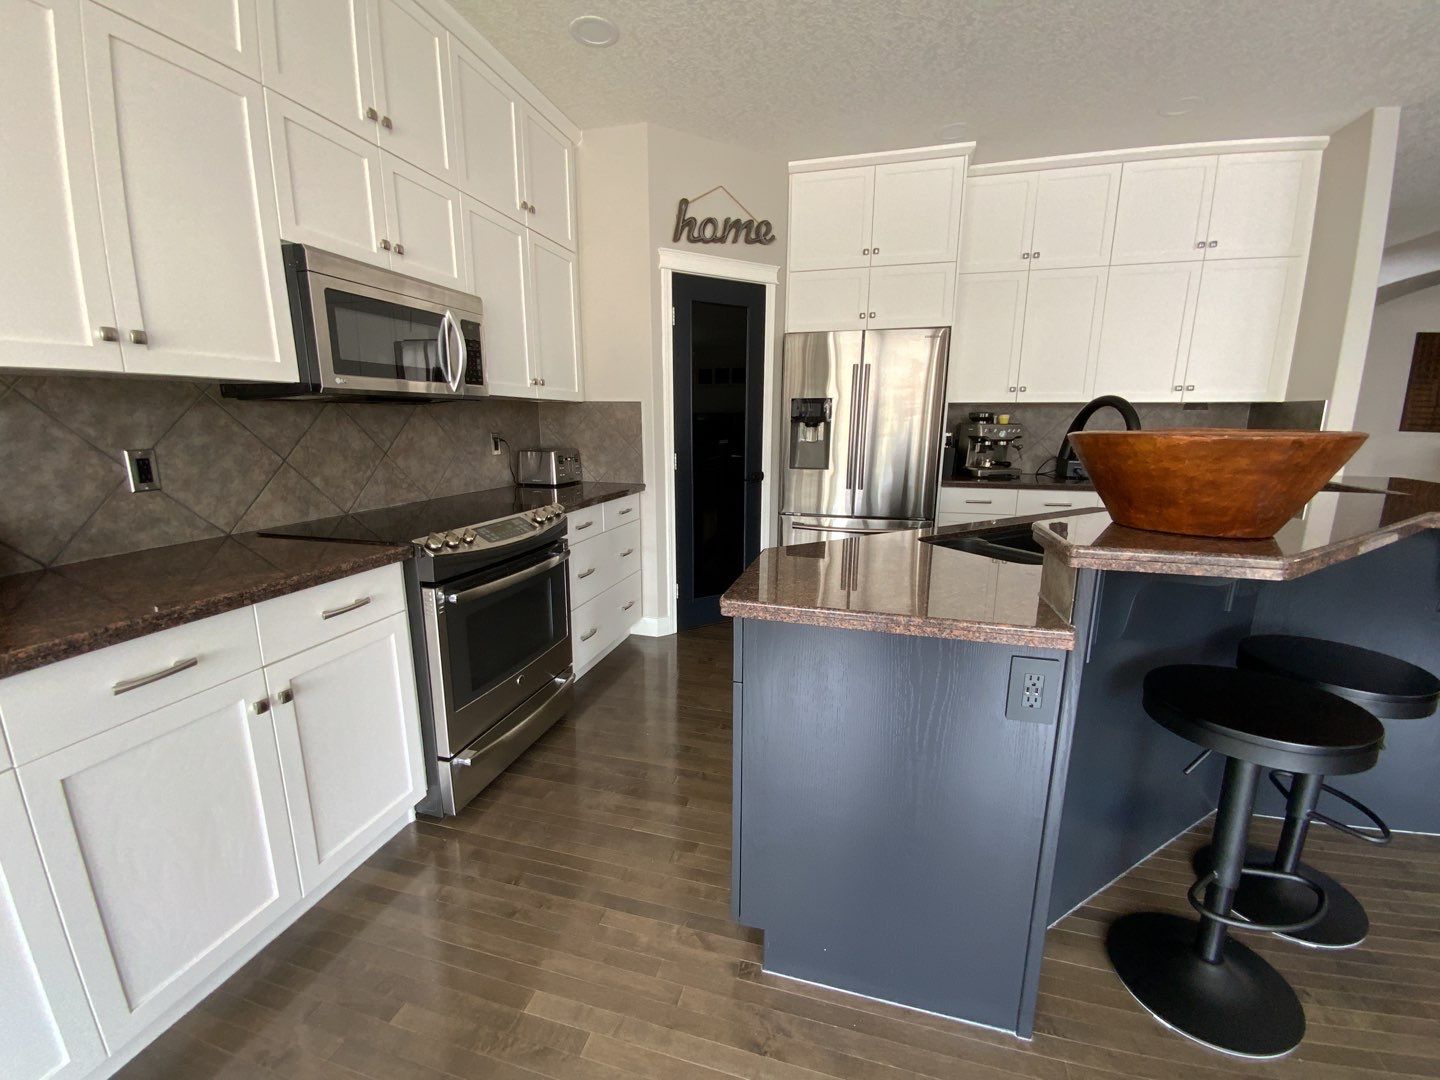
{"x":1322,"y":902}
{"x":1326,"y":819}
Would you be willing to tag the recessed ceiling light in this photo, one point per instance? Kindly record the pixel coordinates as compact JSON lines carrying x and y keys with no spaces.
{"x":1180,"y":106}
{"x":952,"y":132}
{"x":594,"y":30}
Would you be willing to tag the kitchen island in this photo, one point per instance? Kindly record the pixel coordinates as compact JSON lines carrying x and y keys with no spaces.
{"x":938,"y":754}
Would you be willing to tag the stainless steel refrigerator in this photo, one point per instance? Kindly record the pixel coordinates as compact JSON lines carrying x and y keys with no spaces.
{"x":864,"y":411}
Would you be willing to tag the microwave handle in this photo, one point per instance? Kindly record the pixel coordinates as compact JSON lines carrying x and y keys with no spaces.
{"x":453,"y":371}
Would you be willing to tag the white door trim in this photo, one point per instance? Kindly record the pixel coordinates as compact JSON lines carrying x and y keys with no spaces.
{"x":672,"y":260}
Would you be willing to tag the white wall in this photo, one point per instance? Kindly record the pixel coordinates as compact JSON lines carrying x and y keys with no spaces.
{"x":1345,"y":252}
{"x":630,"y":179}
{"x":1389,"y":451}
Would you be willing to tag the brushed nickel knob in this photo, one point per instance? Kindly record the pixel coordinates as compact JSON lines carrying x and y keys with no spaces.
{"x":864,"y":251}
{"x":399,"y":249}
{"x":1012,"y":389}
{"x":1024,"y":255}
{"x":874,"y":251}
{"x":1034,"y":254}
{"x":1199,"y":243}
{"x":1179,"y":388}
{"x":139,"y":337}
{"x":524,"y":206}
{"x":1023,"y":389}
{"x":285,"y":696}
{"x":371,"y":114}
{"x":872,"y":314}
{"x":261,"y":707}
{"x":107,"y":333}
{"x":1214,"y":243}
{"x":1191,"y":387}
{"x":386,"y":123}
{"x":384,"y":244}
{"x":862,"y":314}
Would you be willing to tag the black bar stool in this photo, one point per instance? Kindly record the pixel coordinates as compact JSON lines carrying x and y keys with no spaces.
{"x":1385,"y":687}
{"x":1193,"y":977}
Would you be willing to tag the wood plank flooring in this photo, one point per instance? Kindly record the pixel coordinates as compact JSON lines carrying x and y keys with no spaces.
{"x":573,"y":924}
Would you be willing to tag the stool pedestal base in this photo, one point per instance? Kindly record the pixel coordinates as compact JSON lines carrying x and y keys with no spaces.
{"x":1265,"y":900}
{"x":1240,"y":1006}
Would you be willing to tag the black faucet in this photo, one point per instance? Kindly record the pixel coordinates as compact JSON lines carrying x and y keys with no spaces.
{"x":1067,"y":465}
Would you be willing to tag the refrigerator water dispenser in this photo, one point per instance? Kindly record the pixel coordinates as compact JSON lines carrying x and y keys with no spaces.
{"x":810,"y":433}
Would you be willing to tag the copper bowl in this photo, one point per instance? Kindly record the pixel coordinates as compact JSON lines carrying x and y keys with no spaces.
{"x":1221,"y":482}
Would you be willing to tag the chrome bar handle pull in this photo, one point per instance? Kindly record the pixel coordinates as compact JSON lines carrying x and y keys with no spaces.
{"x":346,"y":609}
{"x":124,"y":686}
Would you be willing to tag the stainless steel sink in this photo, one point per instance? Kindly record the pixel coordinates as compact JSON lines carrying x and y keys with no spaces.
{"x":1009,"y":543}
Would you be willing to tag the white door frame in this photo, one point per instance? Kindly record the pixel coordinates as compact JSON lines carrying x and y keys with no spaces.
{"x":673,"y":260}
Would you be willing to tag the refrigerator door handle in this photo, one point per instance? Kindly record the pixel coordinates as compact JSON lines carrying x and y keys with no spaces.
{"x":862,"y":426}
{"x":854,"y":439}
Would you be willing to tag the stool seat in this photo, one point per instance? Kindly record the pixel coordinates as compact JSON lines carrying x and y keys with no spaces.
{"x":1386,"y":686}
{"x":1269,"y":720}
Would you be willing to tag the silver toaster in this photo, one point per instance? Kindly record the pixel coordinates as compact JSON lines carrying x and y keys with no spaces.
{"x":549,"y":466}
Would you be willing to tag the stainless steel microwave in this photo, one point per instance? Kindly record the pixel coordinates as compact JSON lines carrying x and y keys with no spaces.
{"x":366,"y":333}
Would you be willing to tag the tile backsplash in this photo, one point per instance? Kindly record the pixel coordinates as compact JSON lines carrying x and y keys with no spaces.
{"x":1045,"y":425}
{"x":235,"y":466}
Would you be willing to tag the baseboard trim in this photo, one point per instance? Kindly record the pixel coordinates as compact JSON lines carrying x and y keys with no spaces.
{"x":652,"y":626}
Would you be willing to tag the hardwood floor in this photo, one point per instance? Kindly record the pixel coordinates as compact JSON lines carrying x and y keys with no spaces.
{"x":573,"y":924}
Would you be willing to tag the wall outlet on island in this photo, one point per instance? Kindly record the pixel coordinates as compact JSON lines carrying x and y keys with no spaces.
{"x":1034,"y":693}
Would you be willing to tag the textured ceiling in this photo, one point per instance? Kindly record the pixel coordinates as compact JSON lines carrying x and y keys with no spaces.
{"x":808,"y":78}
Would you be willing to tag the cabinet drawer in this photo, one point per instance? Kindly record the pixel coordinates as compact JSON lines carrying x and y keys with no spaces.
{"x":621,"y":511}
{"x":583,"y":524}
{"x":591,"y":568}
{"x":1053,"y":502}
{"x":998,"y":502}
{"x":596,"y":625}
{"x":55,"y":706}
{"x":291,"y":623}
{"x":624,"y":603}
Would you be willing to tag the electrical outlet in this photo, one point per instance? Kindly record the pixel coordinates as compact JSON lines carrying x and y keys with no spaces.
{"x":495,"y":438}
{"x":1033,"y":694}
{"x":142,"y":470}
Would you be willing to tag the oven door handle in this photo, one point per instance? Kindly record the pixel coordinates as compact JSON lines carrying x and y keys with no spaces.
{"x":491,"y":587}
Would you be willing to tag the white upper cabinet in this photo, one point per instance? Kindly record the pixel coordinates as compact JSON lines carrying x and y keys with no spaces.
{"x":1264,"y":204}
{"x":903,"y":296}
{"x":549,"y":169}
{"x":830,"y":218}
{"x":224,"y":30}
{"x":1145,"y":333}
{"x":48,"y":1032}
{"x":996,"y":225}
{"x":1164,"y":213}
{"x":55,"y":303}
{"x":555,"y":323}
{"x":317,"y":52}
{"x":1062,"y":333}
{"x":486,"y":120}
{"x":424,"y":223}
{"x":168,"y":848}
{"x":328,"y":183}
{"x":412,"y":85}
{"x":917,"y":212}
{"x":985,"y":346}
{"x":349,"y":739}
{"x":187,"y":200}
{"x":498,"y":254}
{"x":1244,"y":329}
{"x":827,"y":300}
{"x":1074,"y":216}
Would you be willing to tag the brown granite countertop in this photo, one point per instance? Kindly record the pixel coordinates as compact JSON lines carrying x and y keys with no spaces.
{"x":49,"y":615}
{"x":1042,"y":482}
{"x":893,"y":583}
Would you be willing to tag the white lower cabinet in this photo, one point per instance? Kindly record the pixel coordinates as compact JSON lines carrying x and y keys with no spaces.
{"x":47,"y":1031}
{"x":605,"y":578}
{"x":167,"y":844}
{"x":349,"y":737}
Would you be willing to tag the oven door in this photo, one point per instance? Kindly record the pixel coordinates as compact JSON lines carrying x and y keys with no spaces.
{"x":494,"y":638}
{"x":372,"y":339}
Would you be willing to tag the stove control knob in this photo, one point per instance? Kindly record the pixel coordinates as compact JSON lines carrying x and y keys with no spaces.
{"x":452,"y":541}
{"x":433,"y":542}
{"x":469,"y":536}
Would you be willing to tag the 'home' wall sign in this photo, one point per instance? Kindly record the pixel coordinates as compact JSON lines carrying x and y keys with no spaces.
{"x":711,"y":230}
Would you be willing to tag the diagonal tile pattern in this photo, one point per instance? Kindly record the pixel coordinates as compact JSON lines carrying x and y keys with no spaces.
{"x":607,"y":434}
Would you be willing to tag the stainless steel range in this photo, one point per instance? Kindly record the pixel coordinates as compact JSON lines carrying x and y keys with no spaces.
{"x":490,"y":623}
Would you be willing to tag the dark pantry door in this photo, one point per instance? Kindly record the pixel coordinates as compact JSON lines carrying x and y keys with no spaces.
{"x":719,"y":394}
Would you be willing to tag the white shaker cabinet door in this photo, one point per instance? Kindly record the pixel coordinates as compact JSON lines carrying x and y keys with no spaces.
{"x":167,"y":844}
{"x":327,"y":181}
{"x":902,"y":296}
{"x":317,"y":52}
{"x":549,"y":168}
{"x":555,"y":296}
{"x":1062,"y":333}
{"x":996,"y":224}
{"x":1264,"y":204}
{"x":47,"y":1031}
{"x":348,"y":728}
{"x":1164,"y":212}
{"x":827,"y":300}
{"x":423,"y":219}
{"x":830,"y":218}
{"x":486,"y":119}
{"x":985,"y":346}
{"x":55,"y":300}
{"x":1074,"y":216}
{"x":187,"y":199}
{"x":499,"y":256}
{"x":1244,"y":330}
{"x":917,"y":212}
{"x":411,"y":59}
{"x":1145,"y":334}
{"x":224,"y":30}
